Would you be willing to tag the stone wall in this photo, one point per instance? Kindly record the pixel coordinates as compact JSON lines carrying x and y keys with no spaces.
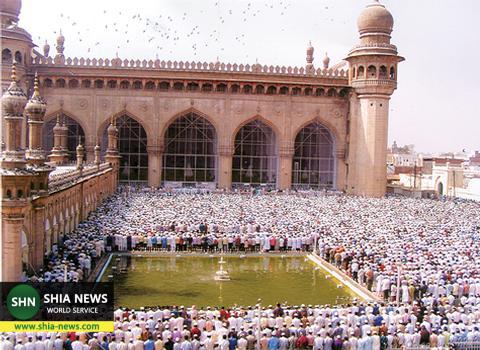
{"x":49,"y":217}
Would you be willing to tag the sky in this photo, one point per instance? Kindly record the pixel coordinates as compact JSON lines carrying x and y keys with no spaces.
{"x":436,"y":106}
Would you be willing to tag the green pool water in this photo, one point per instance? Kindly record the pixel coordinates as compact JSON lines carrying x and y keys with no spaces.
{"x":147,"y":281}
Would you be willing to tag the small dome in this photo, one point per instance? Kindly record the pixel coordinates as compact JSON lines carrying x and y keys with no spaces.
{"x":112,"y":129}
{"x":326,"y":61}
{"x":46,"y":49}
{"x":11,"y":7}
{"x":310,"y":49}
{"x":80,"y":147}
{"x":14,"y":99}
{"x":36,"y":106}
{"x":375,"y":19}
{"x":58,"y":126}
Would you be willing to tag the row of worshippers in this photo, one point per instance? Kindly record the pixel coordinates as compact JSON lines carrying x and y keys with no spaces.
{"x":357,"y":326}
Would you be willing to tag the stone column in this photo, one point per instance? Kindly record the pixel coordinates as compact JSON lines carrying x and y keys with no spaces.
{"x":11,"y":254}
{"x":81,"y":208}
{"x":39,"y":236}
{"x":341,"y":173}
{"x":58,"y":155}
{"x":96,"y":158}
{"x":155,"y":165}
{"x":112,"y":155}
{"x":285,"y":156}
{"x":64,"y":141}
{"x":351,"y":140}
{"x":80,"y":155}
{"x":90,"y":152}
{"x":372,"y":146}
{"x":225,"y":156}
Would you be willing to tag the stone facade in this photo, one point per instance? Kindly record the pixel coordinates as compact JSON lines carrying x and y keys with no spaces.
{"x":349,"y":99}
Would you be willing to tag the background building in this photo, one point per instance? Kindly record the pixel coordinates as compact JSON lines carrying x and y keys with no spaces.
{"x":433,"y":176}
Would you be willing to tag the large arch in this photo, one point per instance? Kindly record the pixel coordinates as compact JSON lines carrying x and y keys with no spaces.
{"x":132,"y":148}
{"x":173,"y":118}
{"x":75,"y":130}
{"x":314,"y":161}
{"x":255,"y":154}
{"x":104,"y":122}
{"x":257,"y":117}
{"x":190,"y":152}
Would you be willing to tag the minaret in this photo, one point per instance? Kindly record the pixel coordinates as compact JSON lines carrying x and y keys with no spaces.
{"x":58,"y":152}
{"x":15,"y":183}
{"x":373,"y":77}
{"x":35,"y":155}
{"x":112,"y":155}
{"x":13,"y":104}
{"x":35,"y":111}
{"x":112,"y":149}
{"x":309,"y":66}
{"x":64,"y":139}
{"x":96,"y":152}
{"x":46,"y":49}
{"x":326,"y":61}
{"x":80,"y":154}
{"x":59,"y":57}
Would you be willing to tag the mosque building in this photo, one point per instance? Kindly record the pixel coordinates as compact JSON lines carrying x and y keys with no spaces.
{"x":73,"y":128}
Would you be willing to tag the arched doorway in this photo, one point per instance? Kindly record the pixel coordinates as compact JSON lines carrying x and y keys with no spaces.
{"x":74,"y":132}
{"x":255,"y":155}
{"x":132,"y":148}
{"x":190,"y":155}
{"x":313,"y":163}
{"x":440,"y":188}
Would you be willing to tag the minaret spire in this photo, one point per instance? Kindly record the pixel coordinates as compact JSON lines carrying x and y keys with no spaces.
{"x":35,"y":111}
{"x":309,"y":66}
{"x":13,"y":104}
{"x":112,"y":155}
{"x":80,"y":153}
{"x":59,"y":57}
{"x":326,"y":61}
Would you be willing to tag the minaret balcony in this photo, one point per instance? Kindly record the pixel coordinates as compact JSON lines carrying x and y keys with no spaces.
{"x":374,"y":86}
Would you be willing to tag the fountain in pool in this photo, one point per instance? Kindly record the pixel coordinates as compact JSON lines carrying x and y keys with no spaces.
{"x":222,"y":275}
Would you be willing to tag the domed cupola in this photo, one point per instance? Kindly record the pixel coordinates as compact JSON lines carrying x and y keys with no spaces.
{"x":375,"y":19}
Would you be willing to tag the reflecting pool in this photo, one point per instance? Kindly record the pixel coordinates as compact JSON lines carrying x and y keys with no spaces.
{"x":148,"y":281}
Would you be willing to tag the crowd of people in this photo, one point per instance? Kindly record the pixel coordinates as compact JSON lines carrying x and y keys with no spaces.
{"x":357,"y":326}
{"x":420,"y":256}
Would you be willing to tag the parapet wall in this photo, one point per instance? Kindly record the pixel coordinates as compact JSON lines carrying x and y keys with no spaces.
{"x":191,"y":66}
